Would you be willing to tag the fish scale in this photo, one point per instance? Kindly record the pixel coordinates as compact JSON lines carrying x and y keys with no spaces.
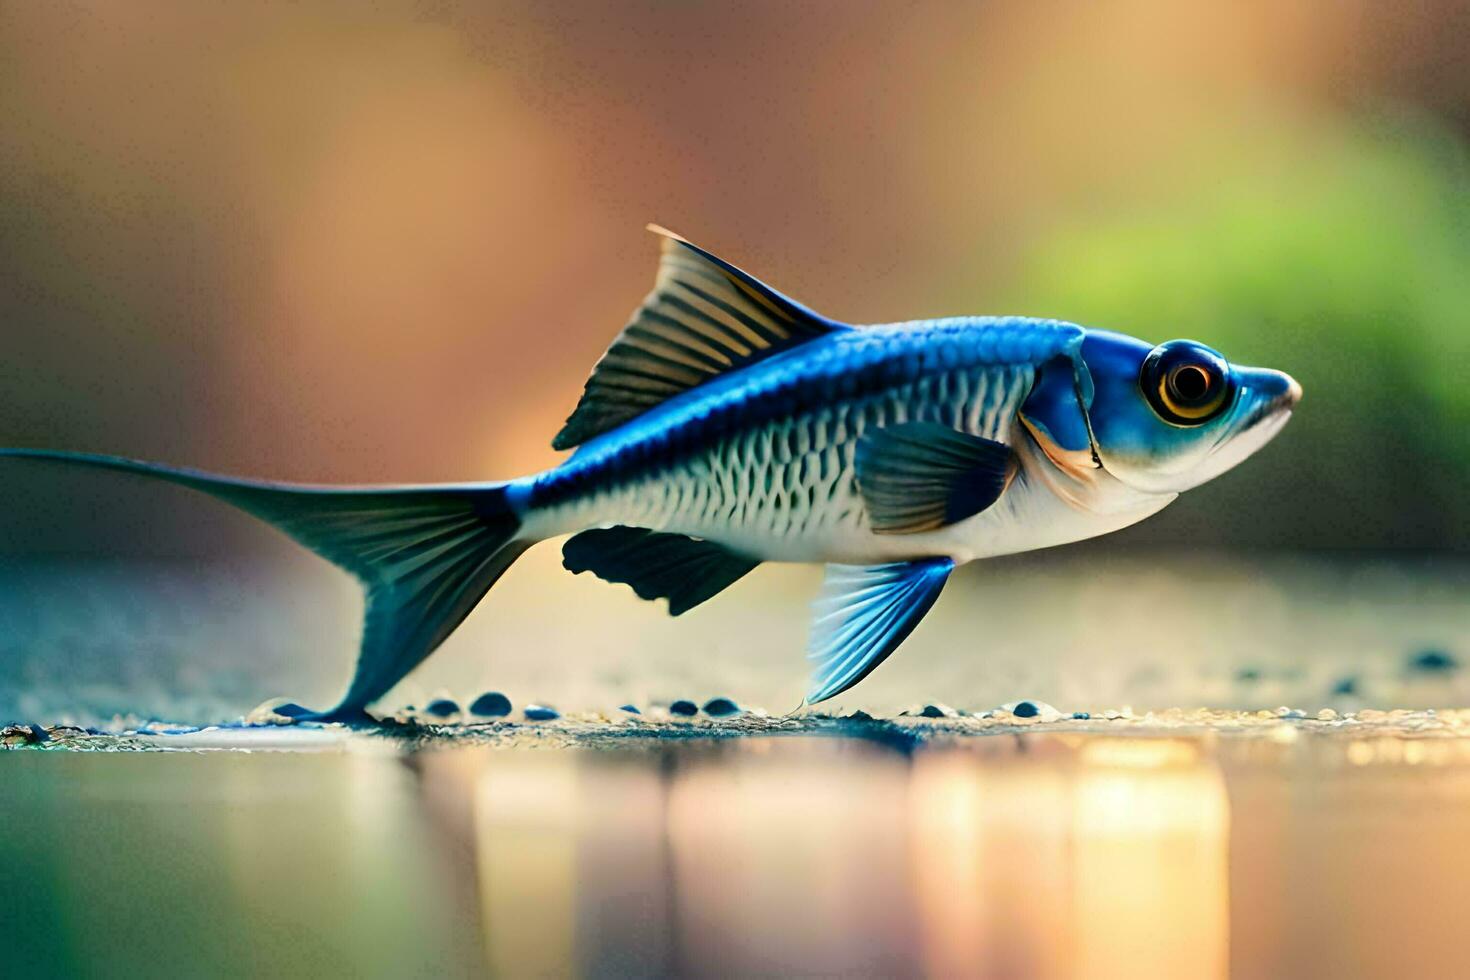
{"x":788,"y":483}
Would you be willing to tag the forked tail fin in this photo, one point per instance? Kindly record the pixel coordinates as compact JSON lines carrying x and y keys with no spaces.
{"x":425,"y":555}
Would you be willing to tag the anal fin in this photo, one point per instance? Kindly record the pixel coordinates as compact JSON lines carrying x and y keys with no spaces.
{"x":863,"y":614}
{"x":658,"y":565}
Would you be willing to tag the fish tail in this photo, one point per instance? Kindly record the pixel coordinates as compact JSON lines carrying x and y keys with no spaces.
{"x":425,"y":555}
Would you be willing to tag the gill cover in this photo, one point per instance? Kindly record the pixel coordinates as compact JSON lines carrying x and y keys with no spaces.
{"x":1058,"y":409}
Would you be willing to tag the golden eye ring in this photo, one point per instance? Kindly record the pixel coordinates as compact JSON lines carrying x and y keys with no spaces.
{"x":1186,"y":383}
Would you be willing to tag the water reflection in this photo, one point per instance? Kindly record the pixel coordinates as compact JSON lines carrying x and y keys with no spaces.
{"x":783,"y":856}
{"x":1046,"y":856}
{"x":1111,"y":860}
{"x":222,"y":865}
{"x":1043,"y":855}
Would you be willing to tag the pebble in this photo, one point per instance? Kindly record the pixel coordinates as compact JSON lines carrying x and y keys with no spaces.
{"x":1028,"y":709}
{"x":721,"y":707}
{"x":441,"y":708}
{"x":1081,"y":716}
{"x":541,"y":712}
{"x":631,"y":709}
{"x":1434,"y":662}
{"x":938,"y":711}
{"x":491,"y":704}
{"x":682,"y":707}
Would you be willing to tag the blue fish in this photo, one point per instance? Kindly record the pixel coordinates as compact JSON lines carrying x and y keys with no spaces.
{"x":729,"y":425}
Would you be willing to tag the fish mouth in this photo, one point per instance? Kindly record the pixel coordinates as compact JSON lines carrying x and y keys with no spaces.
{"x":1277,"y":411}
{"x":1260,"y":427}
{"x":1283,"y":402}
{"x":1276,"y":396}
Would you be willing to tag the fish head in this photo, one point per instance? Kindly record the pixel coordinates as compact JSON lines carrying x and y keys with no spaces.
{"x":1169,"y":418}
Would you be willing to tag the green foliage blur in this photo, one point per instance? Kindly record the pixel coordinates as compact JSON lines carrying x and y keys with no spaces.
{"x":1337,"y":252}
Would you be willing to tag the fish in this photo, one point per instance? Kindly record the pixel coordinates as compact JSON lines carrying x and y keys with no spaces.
{"x":729,"y":425}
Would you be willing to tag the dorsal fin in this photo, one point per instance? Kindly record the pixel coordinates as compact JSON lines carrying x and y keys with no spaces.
{"x":703,"y":318}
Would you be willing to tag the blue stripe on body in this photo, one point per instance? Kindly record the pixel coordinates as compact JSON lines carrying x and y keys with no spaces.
{"x":846,"y":368}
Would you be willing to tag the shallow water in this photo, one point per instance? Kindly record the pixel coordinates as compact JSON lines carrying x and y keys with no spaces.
{"x":1164,"y":847}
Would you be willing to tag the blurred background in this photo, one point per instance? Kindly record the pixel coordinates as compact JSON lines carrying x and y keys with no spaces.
{"x":361,"y":243}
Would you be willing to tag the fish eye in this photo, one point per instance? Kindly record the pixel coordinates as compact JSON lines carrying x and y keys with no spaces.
{"x":1185,"y":383}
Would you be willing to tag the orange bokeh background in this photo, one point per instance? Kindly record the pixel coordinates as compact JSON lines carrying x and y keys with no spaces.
{"x":343,"y":243}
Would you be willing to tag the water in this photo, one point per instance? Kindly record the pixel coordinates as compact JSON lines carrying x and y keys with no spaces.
{"x":1145,"y":850}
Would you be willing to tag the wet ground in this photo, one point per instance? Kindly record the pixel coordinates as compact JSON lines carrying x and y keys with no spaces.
{"x":1182,"y":844}
{"x":191,"y":642}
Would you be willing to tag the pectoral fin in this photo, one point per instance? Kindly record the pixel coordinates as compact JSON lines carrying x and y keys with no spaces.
{"x":684,"y":570}
{"x":863,"y":614}
{"x":920,"y":476}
